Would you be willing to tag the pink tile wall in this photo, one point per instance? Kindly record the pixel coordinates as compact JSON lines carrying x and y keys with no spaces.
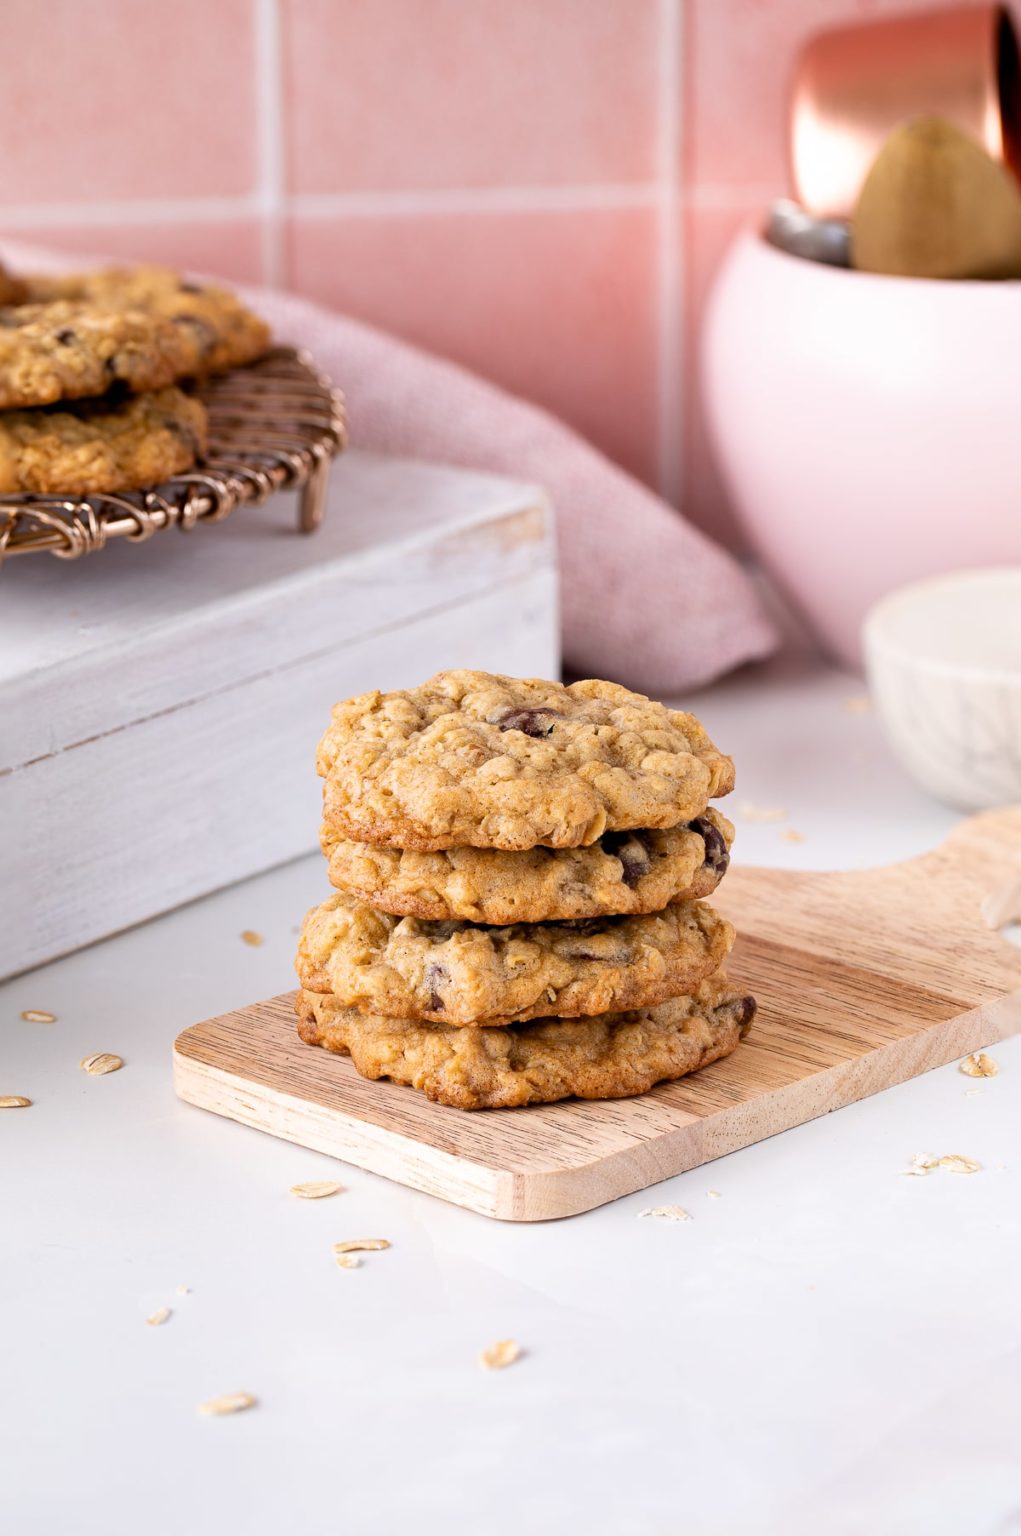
{"x":396,"y":95}
{"x":558,"y":305}
{"x":113,"y":99}
{"x":541,"y":189}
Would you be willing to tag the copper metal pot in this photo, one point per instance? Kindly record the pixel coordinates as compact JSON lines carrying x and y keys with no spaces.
{"x":853,"y":84}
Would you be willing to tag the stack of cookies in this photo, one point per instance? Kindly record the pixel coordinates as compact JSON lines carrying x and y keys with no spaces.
{"x":519,"y":869}
{"x":91,"y":366}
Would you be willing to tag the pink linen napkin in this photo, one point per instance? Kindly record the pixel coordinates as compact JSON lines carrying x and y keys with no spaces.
{"x":646,"y":599}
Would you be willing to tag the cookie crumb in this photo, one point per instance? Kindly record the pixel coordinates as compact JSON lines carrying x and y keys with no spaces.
{"x":666,"y":1212}
{"x":99,"y":1064}
{"x":38,"y":1016}
{"x":956,"y":1162}
{"x":157,"y":1318}
{"x":184,"y":1290}
{"x":348,"y":1261}
{"x":503,"y":1353}
{"x":859,"y":704}
{"x":712,"y":1194}
{"x":788,"y":835}
{"x":14,"y":1101}
{"x":362,"y":1245}
{"x":316,"y":1189}
{"x":922,"y":1163}
{"x":249,"y":936}
{"x":749,"y":812}
{"x":229,"y":1402}
{"x":979,"y":1065}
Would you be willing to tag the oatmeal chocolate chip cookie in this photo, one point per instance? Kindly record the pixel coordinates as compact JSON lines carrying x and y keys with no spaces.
{"x":471,"y":759}
{"x":610,"y":1057}
{"x":214,"y":329}
{"x":624,"y":872}
{"x":68,"y":350}
{"x":95,"y":446}
{"x":459,"y":973}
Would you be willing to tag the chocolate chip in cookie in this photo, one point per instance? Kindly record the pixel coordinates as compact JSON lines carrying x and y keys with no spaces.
{"x":537,"y":723}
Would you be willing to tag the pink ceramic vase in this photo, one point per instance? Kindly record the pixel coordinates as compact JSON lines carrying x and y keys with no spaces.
{"x":868,"y":428}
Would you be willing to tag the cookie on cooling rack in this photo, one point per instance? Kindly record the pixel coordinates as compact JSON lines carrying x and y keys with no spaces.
{"x":70,"y":349}
{"x":613,"y":1056}
{"x":624,"y":872}
{"x":460,"y":973}
{"x":91,"y":447}
{"x":215,"y":330}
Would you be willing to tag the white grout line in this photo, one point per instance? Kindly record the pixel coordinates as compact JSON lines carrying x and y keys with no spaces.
{"x":670,"y":416}
{"x":199,"y":210}
{"x":207,"y":210}
{"x":270,"y":138}
{"x":324,"y":205}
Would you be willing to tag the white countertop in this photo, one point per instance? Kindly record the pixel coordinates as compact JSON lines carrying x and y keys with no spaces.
{"x":828,"y":1346}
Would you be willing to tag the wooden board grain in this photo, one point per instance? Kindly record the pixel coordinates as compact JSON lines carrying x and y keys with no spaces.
{"x":863,"y":980}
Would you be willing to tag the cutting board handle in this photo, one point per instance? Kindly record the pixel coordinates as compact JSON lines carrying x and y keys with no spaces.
{"x":932,"y":921}
{"x":983,"y":854}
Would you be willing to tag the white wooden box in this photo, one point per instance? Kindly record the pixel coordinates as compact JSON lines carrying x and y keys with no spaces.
{"x":160,"y":704}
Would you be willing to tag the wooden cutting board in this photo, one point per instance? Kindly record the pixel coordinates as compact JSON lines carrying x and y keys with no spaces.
{"x":863,"y":980}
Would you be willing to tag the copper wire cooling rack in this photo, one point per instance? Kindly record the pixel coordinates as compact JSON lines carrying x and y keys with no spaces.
{"x":274,"y":426}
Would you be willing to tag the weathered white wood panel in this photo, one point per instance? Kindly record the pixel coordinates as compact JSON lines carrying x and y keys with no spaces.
{"x":160,"y":705}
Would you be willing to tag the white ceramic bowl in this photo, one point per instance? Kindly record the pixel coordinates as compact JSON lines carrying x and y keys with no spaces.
{"x":944,"y":665}
{"x":867,"y":427}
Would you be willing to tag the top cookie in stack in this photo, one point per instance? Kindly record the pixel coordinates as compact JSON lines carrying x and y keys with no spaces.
{"x":514,"y":851}
{"x":89,"y":368}
{"x":481,"y":761}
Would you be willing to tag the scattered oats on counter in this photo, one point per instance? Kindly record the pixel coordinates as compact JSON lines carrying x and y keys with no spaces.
{"x":347,"y":1261}
{"x":749,"y":812}
{"x":249,"y":936}
{"x":160,"y":1316}
{"x":362,"y":1245}
{"x":956,"y":1162}
{"x":712,"y":1194}
{"x":979,"y":1065}
{"x":790,"y":836}
{"x":317,"y":1189}
{"x":504,"y":1352}
{"x":230,"y":1402}
{"x":666,"y":1213}
{"x":14,"y":1101}
{"x":101,"y":1063}
{"x":38,"y":1016}
{"x":184,"y":1290}
{"x":953,"y":1162}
